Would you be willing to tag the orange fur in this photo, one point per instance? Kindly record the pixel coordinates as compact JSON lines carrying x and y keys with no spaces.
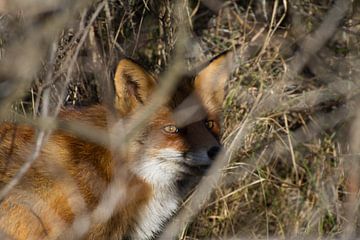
{"x":71,"y":175}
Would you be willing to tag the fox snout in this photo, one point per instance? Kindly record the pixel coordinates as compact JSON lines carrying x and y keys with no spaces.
{"x":203,"y":157}
{"x":213,"y":152}
{"x":202,"y":139}
{"x":198,"y":163}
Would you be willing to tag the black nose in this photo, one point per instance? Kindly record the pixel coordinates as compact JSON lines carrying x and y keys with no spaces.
{"x":213,"y":152}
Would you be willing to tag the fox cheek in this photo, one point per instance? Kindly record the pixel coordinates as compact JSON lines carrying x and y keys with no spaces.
{"x":177,"y":143}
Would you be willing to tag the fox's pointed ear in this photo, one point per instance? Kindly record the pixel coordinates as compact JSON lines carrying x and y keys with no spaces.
{"x":210,"y":82}
{"x":133,"y":86}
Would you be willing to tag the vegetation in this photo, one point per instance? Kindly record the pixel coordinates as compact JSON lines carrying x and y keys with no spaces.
{"x":291,"y":108}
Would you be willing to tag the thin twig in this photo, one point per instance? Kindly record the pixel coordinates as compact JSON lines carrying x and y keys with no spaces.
{"x":74,"y":57}
{"x":19,"y":66}
{"x":315,"y":41}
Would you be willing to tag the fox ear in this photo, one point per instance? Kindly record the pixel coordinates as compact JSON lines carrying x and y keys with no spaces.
{"x":133,"y":86}
{"x":210,"y":82}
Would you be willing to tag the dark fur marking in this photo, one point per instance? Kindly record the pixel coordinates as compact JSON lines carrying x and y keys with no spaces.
{"x":184,"y":88}
{"x":133,"y":87}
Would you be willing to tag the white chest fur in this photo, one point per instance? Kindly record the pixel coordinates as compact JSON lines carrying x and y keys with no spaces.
{"x":155,"y":214}
{"x":160,"y":172}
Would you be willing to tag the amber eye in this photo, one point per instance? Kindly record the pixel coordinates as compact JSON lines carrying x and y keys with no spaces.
{"x":171,"y":129}
{"x":209,"y":124}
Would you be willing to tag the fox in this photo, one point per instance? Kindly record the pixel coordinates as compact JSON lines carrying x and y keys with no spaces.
{"x":72,"y":183}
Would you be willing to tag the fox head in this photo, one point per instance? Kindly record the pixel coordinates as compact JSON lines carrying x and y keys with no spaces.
{"x":181,"y":140}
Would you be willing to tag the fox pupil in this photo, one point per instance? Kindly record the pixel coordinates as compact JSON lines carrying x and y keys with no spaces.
{"x":209,"y":124}
{"x":171,"y":129}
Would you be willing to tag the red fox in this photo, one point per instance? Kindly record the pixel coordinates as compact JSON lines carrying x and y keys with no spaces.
{"x":72,"y":177}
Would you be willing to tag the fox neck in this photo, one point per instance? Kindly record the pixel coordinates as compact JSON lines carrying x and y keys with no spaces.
{"x":163,"y":204}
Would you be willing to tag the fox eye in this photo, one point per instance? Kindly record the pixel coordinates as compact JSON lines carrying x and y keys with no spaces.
{"x":209,"y":124}
{"x":171,"y":129}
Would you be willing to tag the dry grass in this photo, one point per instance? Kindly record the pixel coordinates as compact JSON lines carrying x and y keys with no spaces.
{"x":295,"y":171}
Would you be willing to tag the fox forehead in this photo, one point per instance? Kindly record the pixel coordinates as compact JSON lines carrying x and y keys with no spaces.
{"x":164,"y":116}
